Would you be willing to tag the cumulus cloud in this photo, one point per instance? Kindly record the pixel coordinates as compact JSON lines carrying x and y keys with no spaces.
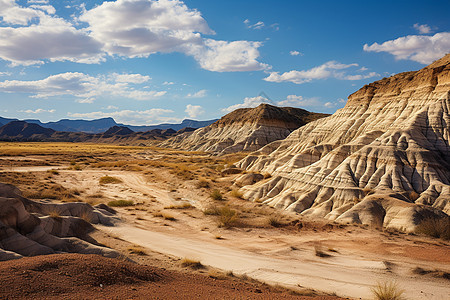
{"x":37,"y":111}
{"x":199,"y":94}
{"x":249,"y":102}
{"x":194,"y":111}
{"x":126,"y":28}
{"x":131,"y":117}
{"x":168,"y":83}
{"x":299,"y":101}
{"x":34,"y":35}
{"x":223,"y":56}
{"x":422,"y":29}
{"x":420,"y":48}
{"x":137,"y":28}
{"x":331,"y":69}
{"x":295,"y":53}
{"x":82,"y":86}
{"x":130,"y":78}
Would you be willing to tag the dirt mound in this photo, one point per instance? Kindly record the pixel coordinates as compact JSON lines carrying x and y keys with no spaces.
{"x":75,"y":276}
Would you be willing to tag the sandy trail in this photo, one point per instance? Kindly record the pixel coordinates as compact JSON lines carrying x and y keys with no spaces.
{"x":346,"y":276}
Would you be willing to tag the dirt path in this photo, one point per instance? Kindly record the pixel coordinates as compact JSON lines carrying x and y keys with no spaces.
{"x":345,"y":276}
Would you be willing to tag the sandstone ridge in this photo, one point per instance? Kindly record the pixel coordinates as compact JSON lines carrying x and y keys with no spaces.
{"x":382,"y":160}
{"x":29,"y":228}
{"x":245,"y":129}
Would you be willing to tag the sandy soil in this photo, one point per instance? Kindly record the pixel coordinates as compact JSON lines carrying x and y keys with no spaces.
{"x":357,"y":257}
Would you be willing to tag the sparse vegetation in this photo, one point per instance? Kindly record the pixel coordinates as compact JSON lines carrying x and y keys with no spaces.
{"x":109,"y":180}
{"x":320,"y":252}
{"x":185,"y":205}
{"x":191,"y":263}
{"x":54,"y":214}
{"x":53,"y":172}
{"x":275,"y":221}
{"x":236,"y":193}
{"x":138,"y":250}
{"x":227,"y":217}
{"x":216,"y":195}
{"x":202,"y":183}
{"x":168,"y":217}
{"x":120,"y":203}
{"x":435,"y":227}
{"x":387,"y":291}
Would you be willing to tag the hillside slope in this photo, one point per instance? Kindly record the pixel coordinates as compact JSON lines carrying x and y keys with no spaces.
{"x":245,"y":129}
{"x":382,"y":160}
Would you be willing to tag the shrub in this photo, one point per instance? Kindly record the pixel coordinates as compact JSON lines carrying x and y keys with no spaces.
{"x":168,"y":217}
{"x":275,"y":221}
{"x":227,"y":217}
{"x":216,"y":195}
{"x":435,"y":227}
{"x":202,"y":183}
{"x":236,"y":193}
{"x":191,"y":263}
{"x":180,"y":206}
{"x":120,"y":203}
{"x":387,"y":291}
{"x":109,"y":179}
{"x":54,"y":214}
{"x":137,"y":250}
{"x":53,"y":172}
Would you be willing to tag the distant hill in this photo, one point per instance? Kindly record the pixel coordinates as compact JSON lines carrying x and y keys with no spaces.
{"x":21,"y":131}
{"x":245,"y":129}
{"x":103,"y":124}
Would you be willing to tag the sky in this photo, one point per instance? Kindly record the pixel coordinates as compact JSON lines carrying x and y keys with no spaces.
{"x":147,"y":62}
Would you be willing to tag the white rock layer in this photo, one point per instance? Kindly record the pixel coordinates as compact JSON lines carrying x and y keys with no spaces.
{"x":391,"y":141}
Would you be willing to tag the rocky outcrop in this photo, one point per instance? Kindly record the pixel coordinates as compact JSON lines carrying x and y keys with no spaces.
{"x":245,"y":129}
{"x":382,"y":160}
{"x":29,"y":228}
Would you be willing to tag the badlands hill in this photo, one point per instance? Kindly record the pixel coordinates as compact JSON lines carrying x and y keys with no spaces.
{"x":245,"y":129}
{"x":29,"y":228}
{"x":382,"y":160}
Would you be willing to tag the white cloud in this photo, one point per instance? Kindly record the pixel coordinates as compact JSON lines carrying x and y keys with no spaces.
{"x":194,"y":111}
{"x":112,"y":107}
{"x":37,"y":111}
{"x":299,"y":101}
{"x":422,"y":29}
{"x":257,"y":25}
{"x":82,"y":86}
{"x":420,"y":48}
{"x":249,"y":102}
{"x":199,"y":94}
{"x":130,"y":78}
{"x":5,"y":74}
{"x":131,"y":117}
{"x":168,"y":83}
{"x":295,"y":53}
{"x":126,"y":28}
{"x":223,"y":56}
{"x":327,"y":70}
{"x":38,"y":1}
{"x":138,"y":28}
{"x":34,"y":35}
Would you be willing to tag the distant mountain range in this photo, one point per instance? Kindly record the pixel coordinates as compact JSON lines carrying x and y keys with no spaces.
{"x":103,"y":124}
{"x":30,"y":132}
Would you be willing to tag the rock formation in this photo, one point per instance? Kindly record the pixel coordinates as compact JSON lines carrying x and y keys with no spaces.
{"x":382,"y":160}
{"x":245,"y":129}
{"x":29,"y":228}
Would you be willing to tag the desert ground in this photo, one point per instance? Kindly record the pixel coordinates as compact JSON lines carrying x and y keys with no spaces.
{"x":182,"y":218}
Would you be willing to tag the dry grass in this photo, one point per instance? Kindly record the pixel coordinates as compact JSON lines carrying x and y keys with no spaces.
{"x":387,"y":291}
{"x":138,"y":250}
{"x":109,"y":180}
{"x":216,"y":195}
{"x":180,"y":206}
{"x":318,"y":250}
{"x":435,"y":227}
{"x":54,"y":214}
{"x":227,"y":217}
{"x":168,"y":217}
{"x":191,"y":263}
{"x":202,"y":183}
{"x":236,"y":193}
{"x":120,"y":203}
{"x":275,"y":221}
{"x":413,"y":196}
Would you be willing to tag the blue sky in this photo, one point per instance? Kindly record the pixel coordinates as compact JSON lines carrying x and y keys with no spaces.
{"x":149,"y":62}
